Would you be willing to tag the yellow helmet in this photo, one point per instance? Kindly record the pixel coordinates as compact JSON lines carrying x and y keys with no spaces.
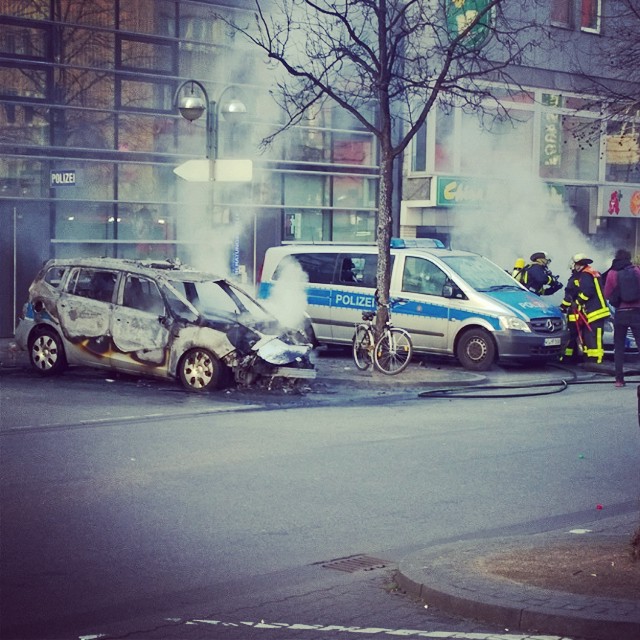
{"x":519,"y":263}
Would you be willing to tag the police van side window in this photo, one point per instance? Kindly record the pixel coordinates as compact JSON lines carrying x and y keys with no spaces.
{"x":422,"y":276}
{"x":357,"y":270}
{"x":319,"y":267}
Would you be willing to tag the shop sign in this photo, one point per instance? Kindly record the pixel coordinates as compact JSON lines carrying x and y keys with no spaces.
{"x":551,"y":135}
{"x":460,"y":191}
{"x":62,"y":178}
{"x":623,"y":202}
{"x":453,"y":191}
{"x":461,"y":14}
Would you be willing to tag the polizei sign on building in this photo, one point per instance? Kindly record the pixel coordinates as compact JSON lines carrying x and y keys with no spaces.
{"x":62,"y":178}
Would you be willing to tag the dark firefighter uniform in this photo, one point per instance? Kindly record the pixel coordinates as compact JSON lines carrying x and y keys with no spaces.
{"x":586,"y":309}
{"x":537,"y":276}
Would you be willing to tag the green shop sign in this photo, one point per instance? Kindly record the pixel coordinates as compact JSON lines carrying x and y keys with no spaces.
{"x":460,"y":14}
{"x":455,"y":191}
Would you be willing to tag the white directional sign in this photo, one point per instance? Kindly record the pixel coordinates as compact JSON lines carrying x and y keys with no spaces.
{"x":223,"y":170}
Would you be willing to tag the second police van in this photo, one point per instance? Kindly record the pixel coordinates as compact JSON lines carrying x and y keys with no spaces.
{"x":457,"y":303}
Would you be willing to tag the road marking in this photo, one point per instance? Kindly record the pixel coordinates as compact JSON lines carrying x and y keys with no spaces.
{"x":381,"y":631}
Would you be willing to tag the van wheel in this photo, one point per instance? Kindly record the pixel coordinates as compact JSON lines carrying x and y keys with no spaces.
{"x":46,"y":353}
{"x":476,"y":350}
{"x":200,"y":370}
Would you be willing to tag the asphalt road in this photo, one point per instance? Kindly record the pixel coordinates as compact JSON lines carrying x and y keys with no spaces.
{"x":132,"y":509}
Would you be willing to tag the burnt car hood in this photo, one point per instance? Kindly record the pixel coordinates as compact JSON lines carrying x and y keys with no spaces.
{"x":268,"y":339}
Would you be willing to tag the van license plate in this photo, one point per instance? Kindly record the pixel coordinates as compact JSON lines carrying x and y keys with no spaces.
{"x":552,"y":342}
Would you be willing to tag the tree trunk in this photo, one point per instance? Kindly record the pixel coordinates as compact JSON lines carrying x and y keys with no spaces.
{"x":383,"y":271}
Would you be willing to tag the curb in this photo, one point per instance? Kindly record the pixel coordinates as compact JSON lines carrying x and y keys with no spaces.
{"x":445,"y":577}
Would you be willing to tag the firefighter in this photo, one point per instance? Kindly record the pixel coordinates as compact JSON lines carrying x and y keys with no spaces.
{"x":586,"y":309}
{"x":537,"y":276}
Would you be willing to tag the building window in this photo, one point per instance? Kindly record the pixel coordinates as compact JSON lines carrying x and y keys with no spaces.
{"x":590,"y":15}
{"x":622,"y":152}
{"x":145,"y":54}
{"x":419,"y":150}
{"x":562,"y":13}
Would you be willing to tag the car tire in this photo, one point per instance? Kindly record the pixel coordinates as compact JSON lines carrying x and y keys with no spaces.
{"x":476,"y":350}
{"x":200,"y":370}
{"x":46,"y":352}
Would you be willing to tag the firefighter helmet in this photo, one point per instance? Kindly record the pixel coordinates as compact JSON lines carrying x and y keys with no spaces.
{"x":580,"y":260}
{"x":540,"y":255}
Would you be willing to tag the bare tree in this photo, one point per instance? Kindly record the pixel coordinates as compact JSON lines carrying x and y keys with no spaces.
{"x":388,"y":62}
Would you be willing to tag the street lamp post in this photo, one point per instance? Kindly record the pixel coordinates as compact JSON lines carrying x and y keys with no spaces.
{"x":191,"y":107}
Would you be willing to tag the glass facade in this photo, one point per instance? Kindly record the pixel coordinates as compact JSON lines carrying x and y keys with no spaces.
{"x":90,"y":136}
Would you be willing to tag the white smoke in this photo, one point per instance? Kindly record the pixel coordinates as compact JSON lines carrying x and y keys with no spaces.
{"x":520,"y":217}
{"x":288,"y":298}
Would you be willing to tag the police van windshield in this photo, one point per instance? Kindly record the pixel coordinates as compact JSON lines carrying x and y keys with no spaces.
{"x":480,"y":273}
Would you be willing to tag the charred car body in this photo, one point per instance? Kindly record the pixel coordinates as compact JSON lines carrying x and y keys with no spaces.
{"x":158,"y":319}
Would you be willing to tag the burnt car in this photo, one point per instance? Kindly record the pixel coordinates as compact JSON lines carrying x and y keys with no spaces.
{"x":159,"y":319}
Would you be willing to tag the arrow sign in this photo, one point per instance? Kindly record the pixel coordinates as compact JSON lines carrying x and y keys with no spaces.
{"x":223,"y":170}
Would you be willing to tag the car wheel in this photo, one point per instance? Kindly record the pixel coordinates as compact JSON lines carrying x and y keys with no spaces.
{"x":46,"y":353}
{"x":476,"y":350}
{"x":200,"y":370}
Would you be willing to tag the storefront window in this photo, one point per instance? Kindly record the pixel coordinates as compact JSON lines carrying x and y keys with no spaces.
{"x":353,"y":226}
{"x":622,"y":152}
{"x":353,"y":148}
{"x":24,"y":124}
{"x":23,"y":41}
{"x":136,"y":94}
{"x":353,"y":191}
{"x":155,"y":17}
{"x":23,"y":81}
{"x":143,"y":55}
{"x":84,"y":129}
{"x":569,"y":147}
{"x":445,"y":141}
{"x":140,"y":132}
{"x":307,"y":225}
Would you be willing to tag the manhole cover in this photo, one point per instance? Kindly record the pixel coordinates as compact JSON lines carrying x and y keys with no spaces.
{"x":351,"y":564}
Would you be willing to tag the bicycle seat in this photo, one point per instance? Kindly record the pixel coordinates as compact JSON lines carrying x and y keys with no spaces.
{"x":368,"y":315}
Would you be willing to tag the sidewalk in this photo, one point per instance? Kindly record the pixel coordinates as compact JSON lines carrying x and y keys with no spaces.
{"x":465,"y":577}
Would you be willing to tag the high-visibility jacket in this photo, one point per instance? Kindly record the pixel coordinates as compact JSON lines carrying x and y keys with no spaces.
{"x":584,"y":292}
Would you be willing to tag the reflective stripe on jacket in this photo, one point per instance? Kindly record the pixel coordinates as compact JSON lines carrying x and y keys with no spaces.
{"x":584,"y":289}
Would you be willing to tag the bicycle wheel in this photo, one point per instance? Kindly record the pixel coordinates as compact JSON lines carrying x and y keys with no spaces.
{"x":362,"y":347}
{"x":393,"y":351}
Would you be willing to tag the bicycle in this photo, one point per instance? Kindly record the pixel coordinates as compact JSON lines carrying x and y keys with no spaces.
{"x":392,"y":352}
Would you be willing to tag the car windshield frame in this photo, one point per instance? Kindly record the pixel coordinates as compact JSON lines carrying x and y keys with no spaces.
{"x":218,"y":298}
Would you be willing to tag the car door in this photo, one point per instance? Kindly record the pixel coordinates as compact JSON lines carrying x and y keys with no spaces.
{"x":140,"y":326}
{"x":352,"y":293}
{"x":426,"y":314}
{"x":84,"y":309}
